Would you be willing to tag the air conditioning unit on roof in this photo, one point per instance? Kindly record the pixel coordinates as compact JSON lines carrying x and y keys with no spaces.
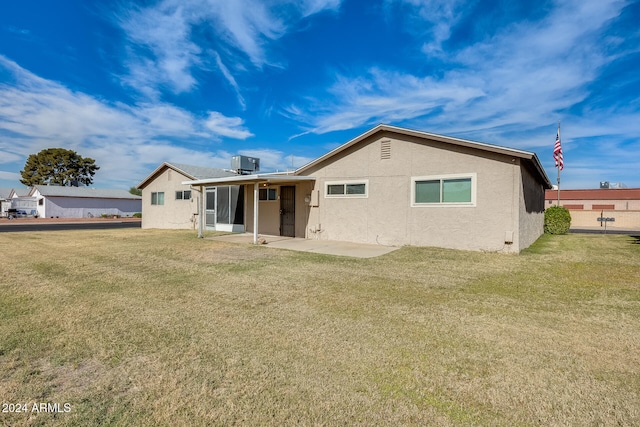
{"x":245,"y":164}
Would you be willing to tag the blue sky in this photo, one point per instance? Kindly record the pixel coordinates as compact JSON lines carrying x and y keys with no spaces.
{"x":133,"y":84}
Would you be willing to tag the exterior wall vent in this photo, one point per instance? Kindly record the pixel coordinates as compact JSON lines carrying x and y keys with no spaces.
{"x":385,"y":149}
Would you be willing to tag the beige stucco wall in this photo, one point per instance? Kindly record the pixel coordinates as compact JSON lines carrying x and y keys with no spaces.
{"x":174,"y":214}
{"x":269,"y":211}
{"x":386,"y":215}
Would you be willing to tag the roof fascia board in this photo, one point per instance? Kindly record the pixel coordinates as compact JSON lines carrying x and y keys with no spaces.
{"x":249,"y":179}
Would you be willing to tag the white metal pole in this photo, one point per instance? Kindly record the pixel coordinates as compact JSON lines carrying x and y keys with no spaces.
{"x":255,"y":213}
{"x":201,"y":203}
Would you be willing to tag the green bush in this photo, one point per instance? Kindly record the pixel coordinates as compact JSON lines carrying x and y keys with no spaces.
{"x":137,"y":215}
{"x":557,"y":220}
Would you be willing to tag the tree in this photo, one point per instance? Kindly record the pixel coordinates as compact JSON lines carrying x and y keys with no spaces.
{"x":58,"y":166}
{"x":135,"y":191}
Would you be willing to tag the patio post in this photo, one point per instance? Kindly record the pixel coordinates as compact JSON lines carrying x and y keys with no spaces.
{"x":255,"y":212}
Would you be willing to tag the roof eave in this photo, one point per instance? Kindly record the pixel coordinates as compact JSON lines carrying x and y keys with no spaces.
{"x":249,"y":179}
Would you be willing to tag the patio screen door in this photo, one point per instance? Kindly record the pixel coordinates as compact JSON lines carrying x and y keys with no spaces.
{"x":210,"y":208}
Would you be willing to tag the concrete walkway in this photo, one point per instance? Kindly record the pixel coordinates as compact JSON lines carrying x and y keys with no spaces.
{"x":329,"y":247}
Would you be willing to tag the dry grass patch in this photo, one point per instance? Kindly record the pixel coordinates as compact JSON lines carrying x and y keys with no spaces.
{"x":140,"y":327}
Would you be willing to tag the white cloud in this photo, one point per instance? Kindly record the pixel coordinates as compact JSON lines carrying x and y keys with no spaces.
{"x":124,"y":140}
{"x":164,"y":44}
{"x":525,"y":76}
{"x":227,"y":126}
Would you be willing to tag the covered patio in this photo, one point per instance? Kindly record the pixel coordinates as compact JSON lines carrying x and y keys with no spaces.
{"x":285,"y":198}
{"x":328,"y":247}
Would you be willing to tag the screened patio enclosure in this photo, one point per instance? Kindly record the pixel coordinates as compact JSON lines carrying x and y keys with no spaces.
{"x":224,"y":208}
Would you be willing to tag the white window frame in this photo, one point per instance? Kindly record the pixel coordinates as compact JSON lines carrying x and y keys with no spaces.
{"x":474,"y":181}
{"x":156,"y":203}
{"x":345,"y":183}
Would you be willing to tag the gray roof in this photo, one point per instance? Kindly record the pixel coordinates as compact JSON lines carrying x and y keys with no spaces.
{"x":86,"y":192}
{"x":199,"y":172}
{"x":5,"y":192}
{"x":189,"y":171}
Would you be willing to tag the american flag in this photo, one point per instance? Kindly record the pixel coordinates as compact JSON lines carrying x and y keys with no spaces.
{"x":557,"y":152}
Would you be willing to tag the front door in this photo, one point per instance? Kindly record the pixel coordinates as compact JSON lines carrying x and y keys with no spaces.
{"x":288,"y":211}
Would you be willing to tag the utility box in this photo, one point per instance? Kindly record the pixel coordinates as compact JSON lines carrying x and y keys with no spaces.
{"x":244,"y":164}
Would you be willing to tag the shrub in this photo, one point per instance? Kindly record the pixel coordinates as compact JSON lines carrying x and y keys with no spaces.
{"x":137,"y":215}
{"x":557,"y":220}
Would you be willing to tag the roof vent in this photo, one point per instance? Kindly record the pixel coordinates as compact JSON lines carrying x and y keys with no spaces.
{"x":245,"y":165}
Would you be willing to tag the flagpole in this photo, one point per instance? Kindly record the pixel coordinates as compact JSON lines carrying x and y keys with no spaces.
{"x":558,"y":166}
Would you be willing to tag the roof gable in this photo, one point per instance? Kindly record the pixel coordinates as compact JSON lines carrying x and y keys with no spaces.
{"x":189,"y":171}
{"x":382,"y":129}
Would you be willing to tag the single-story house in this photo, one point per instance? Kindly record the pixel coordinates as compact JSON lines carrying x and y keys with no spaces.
{"x":6,"y":194}
{"x":83,"y":202}
{"x":390,"y":186}
{"x":587,"y":205}
{"x":168,"y":203}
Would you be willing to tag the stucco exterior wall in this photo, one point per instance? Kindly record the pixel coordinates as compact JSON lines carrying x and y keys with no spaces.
{"x":386,"y":215}
{"x":269,"y":210}
{"x":531,"y":216}
{"x":174,"y":214}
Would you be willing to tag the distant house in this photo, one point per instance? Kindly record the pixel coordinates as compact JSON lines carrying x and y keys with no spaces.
{"x":395,"y":186}
{"x":168,"y":203}
{"x":6,"y":194}
{"x":83,"y":202}
{"x":587,"y":205}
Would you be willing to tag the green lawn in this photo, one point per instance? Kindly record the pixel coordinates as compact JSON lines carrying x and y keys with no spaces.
{"x":148,"y":327}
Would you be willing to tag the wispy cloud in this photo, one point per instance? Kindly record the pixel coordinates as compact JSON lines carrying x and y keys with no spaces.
{"x":37,"y":114}
{"x":167,"y":40}
{"x":496,"y":82}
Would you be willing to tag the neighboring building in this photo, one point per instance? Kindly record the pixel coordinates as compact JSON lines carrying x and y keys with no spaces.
{"x":586,"y":206}
{"x":168,"y":203}
{"x":394,"y":186}
{"x":6,"y":194}
{"x":83,"y":202}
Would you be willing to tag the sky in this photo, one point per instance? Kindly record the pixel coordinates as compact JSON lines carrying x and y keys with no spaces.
{"x":132,"y":84}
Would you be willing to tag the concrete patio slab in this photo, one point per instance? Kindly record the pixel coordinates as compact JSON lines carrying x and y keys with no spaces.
{"x":328,"y":247}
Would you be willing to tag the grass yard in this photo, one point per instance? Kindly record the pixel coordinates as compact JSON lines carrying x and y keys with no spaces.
{"x":148,"y":328}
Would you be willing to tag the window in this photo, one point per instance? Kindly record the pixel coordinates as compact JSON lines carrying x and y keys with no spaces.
{"x":183,"y":195}
{"x":267,"y":194}
{"x":157,"y":198}
{"x":347,"y":189}
{"x":445,"y":190}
